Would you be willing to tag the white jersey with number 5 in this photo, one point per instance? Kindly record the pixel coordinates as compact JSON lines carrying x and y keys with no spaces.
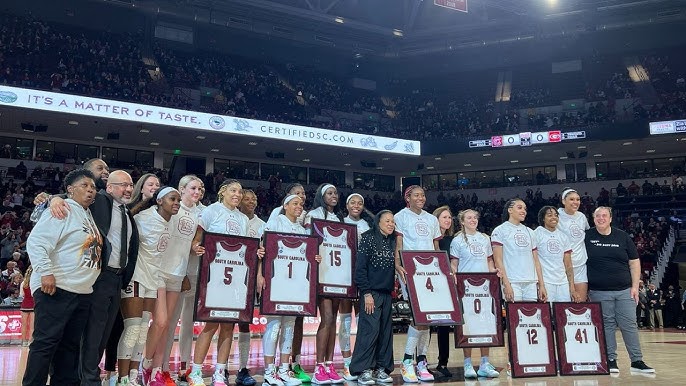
{"x":532,"y":340}
{"x":478,"y":306}
{"x":431,"y":285}
{"x":290,"y":282}
{"x":228,"y":284}
{"x":336,"y":266}
{"x":581,"y":338}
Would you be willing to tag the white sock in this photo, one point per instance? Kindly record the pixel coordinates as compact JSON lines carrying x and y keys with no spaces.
{"x":147,"y":363}
{"x":297,"y":359}
{"x":283,"y":367}
{"x":219,"y":368}
{"x":133,"y":373}
{"x":196,"y":368}
{"x":154,"y":372}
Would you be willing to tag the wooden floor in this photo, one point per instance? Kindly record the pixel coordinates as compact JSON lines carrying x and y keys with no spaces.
{"x":662,"y":349}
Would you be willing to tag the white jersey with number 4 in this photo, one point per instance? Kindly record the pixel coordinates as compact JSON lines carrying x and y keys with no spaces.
{"x":478,"y":305}
{"x":290,"y":282}
{"x":336,"y":266}
{"x":532,"y":339}
{"x":581,"y":338}
{"x":228,"y":284}
{"x":431,"y":286}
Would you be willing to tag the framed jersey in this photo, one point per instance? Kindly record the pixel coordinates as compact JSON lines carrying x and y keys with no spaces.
{"x":479,"y":295}
{"x":580,"y":338}
{"x":290,"y":274}
{"x":226,"y":279}
{"x":431,"y":287}
{"x":532,"y":350}
{"x":338,"y":249}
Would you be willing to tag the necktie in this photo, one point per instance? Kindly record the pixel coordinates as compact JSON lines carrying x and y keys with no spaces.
{"x":123,"y":251}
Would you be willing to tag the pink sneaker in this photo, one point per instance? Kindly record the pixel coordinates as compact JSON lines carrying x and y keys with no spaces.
{"x":147,"y":373}
{"x":158,"y":380}
{"x":321,"y":376}
{"x":333,"y":375}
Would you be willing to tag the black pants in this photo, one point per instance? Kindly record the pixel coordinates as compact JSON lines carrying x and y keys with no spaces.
{"x":443,"y":333}
{"x":59,"y":323}
{"x":113,"y":342}
{"x":374,"y":341}
{"x":105,"y":301}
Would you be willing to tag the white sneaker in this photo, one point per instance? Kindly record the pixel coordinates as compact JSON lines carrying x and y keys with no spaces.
{"x":218,"y":379}
{"x":271,"y":378}
{"x":288,"y":378}
{"x":408,"y":372}
{"x":195,"y":379}
{"x":487,"y":370}
{"x":423,"y":373}
{"x":346,"y":373}
{"x":469,"y":371}
{"x":111,"y":381}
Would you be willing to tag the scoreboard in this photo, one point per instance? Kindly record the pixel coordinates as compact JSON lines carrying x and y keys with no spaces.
{"x":527,"y":138}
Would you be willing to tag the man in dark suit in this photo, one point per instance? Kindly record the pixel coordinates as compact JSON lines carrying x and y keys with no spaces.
{"x":109,"y":211}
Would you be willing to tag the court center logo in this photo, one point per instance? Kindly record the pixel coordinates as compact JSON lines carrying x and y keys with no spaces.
{"x":217,"y":122}
{"x":8,"y":97}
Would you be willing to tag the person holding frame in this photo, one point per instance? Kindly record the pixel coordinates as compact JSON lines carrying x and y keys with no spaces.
{"x":222,"y":217}
{"x":516,"y":257}
{"x":555,"y":254}
{"x":355,"y":206}
{"x":283,"y":326}
{"x":471,"y":251}
{"x":416,"y":230}
{"x":324,"y":207}
{"x":375,"y":279}
{"x":574,"y":224}
{"x":445,"y":222}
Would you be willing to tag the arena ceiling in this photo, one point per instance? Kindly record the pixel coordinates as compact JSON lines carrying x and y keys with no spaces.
{"x":398,"y":28}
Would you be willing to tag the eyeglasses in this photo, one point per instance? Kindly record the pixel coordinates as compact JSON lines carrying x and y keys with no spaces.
{"x":122,"y":184}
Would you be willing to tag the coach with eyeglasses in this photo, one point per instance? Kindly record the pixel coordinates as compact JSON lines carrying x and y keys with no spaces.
{"x":119,"y":261}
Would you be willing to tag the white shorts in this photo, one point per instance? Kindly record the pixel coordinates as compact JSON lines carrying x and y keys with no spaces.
{"x":558,"y":292}
{"x":580,"y":275}
{"x":138,"y":290}
{"x":525,"y":291}
{"x":172,"y":283}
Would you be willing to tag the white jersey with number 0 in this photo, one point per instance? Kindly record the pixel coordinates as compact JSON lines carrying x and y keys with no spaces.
{"x":228,"y":284}
{"x":581,"y":338}
{"x":479,"y":311}
{"x":532,"y":340}
{"x":431,"y":286}
{"x":336,"y":265}
{"x":290,"y":282}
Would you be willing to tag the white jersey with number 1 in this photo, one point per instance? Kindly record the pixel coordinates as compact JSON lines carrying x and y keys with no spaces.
{"x":228,"y":284}
{"x":431,"y":286}
{"x":479,"y":310}
{"x":336,"y":266}
{"x":532,"y":340}
{"x":581,"y":338}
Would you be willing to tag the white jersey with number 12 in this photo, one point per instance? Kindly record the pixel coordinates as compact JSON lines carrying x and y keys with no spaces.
{"x":532,"y":339}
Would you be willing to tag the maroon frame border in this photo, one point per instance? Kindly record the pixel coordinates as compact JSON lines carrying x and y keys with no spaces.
{"x":434,"y":318}
{"x":229,"y":315}
{"x":530,"y":370}
{"x":580,"y":368}
{"x":329,"y":290}
{"x":267,"y":306}
{"x":496,"y":340}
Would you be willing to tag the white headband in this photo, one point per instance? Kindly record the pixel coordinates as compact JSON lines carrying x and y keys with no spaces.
{"x":288,"y":199}
{"x":347,"y":200}
{"x":566,"y":192}
{"x":326,"y":187}
{"x":166,"y":191}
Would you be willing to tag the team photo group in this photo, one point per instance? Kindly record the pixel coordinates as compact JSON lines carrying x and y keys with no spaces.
{"x":117,"y":263}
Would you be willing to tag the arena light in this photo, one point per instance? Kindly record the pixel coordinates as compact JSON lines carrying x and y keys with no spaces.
{"x":339,"y":20}
{"x":398,"y":33}
{"x":154,"y":144}
{"x":214,"y":150}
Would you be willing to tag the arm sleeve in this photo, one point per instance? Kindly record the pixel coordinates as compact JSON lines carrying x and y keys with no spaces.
{"x":42,"y":242}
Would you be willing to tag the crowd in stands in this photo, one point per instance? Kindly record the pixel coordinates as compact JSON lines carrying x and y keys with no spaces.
{"x":72,"y":60}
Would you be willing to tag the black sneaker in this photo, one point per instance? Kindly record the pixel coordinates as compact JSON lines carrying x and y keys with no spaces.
{"x":444,"y":371}
{"x":613,"y":366}
{"x":641,"y":367}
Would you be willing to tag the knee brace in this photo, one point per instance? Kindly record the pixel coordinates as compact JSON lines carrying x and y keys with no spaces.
{"x":344,"y":332}
{"x":271,"y":335}
{"x":142,"y":337}
{"x":129,"y":338}
{"x":287,"y":329}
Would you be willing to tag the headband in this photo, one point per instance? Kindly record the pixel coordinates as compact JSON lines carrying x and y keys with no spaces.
{"x":347,"y":200}
{"x":326,"y":187}
{"x":566,"y":192}
{"x":289,"y":198}
{"x":166,"y":191}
